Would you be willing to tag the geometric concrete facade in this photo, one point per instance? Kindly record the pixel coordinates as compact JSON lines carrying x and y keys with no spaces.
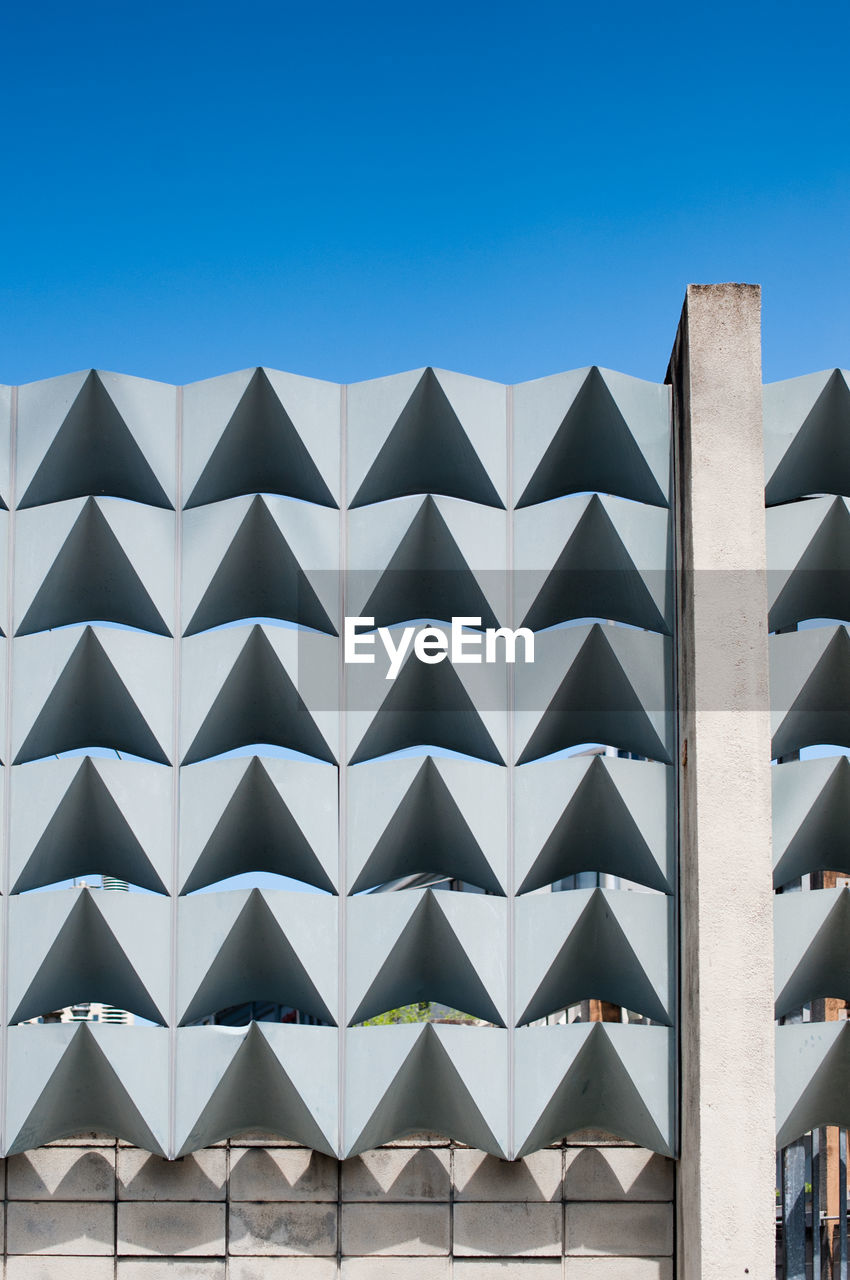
{"x":179,"y":562}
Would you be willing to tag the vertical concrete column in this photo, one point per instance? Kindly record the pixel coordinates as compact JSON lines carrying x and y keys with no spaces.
{"x":726,"y":1175}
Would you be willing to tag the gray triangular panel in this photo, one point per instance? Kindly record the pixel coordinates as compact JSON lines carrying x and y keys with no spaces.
{"x":427,"y":706}
{"x":596,"y":961}
{"x":255,"y":1093}
{"x":256,"y":962}
{"x":596,"y":1092}
{"x":818,"y":458}
{"x":821,"y":711}
{"x":427,"y":833}
{"x":88,"y":833}
{"x":257,"y":832}
{"x":819,"y":586}
{"x":427,"y":963}
{"x":427,"y":577}
{"x":427,"y":451}
{"x":86,"y":963}
{"x":824,"y":968}
{"x":258,"y":703}
{"x":822,"y":841}
{"x":826,"y":1099}
{"x":426,"y":1096}
{"x":89,"y":706}
{"x":593,"y":450}
{"x":596,"y":832}
{"x":92,"y":453}
{"x":92,"y":580}
{"x":260,"y":451}
{"x":595,"y":577}
{"x":83,"y":1094}
{"x":259,"y":577}
{"x":595,"y":703}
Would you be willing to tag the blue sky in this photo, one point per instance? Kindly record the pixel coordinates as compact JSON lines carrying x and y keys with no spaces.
{"x":350,"y":190}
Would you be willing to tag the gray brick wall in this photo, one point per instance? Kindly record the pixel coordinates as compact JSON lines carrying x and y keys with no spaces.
{"x":91,"y":1209}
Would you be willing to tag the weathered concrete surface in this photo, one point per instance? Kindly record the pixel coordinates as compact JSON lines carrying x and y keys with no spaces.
{"x":69,"y":1227}
{"x":171,"y":1227}
{"x":62,"y":1173}
{"x":530,"y":1230}
{"x":726,"y":1171}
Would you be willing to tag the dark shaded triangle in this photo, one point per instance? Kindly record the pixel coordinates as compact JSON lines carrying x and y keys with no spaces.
{"x":427,"y":833}
{"x":427,"y":963}
{"x":595,"y":703}
{"x":92,"y":453}
{"x":596,"y":832}
{"x":257,"y":832}
{"x":258,"y":703}
{"x":824,"y":969}
{"x":818,"y":458}
{"x":821,"y":711}
{"x":427,"y":451}
{"x":256,"y":962}
{"x":822,"y":841}
{"x":89,"y":706}
{"x":426,"y":1096}
{"x":260,"y":451}
{"x":86,"y":963}
{"x":88,"y":833}
{"x":427,"y":706}
{"x":427,"y":577}
{"x":596,"y":1092}
{"x":83,"y":1094}
{"x":593,"y":450}
{"x":595,"y":577}
{"x":255,"y":1093}
{"x":92,"y":580}
{"x":826,"y":1098}
{"x":596,"y":962}
{"x":259,"y":577}
{"x":819,"y":587}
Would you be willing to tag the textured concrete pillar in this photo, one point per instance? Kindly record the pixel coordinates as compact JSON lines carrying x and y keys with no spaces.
{"x":726,"y":1172}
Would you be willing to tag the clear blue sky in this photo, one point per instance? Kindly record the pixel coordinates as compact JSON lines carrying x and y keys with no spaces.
{"x":348,"y":190}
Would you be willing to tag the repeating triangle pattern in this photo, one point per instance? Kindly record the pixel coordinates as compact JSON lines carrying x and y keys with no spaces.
{"x":178,"y":638}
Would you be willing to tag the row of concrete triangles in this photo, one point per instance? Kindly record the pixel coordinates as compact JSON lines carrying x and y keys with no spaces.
{"x":276,"y":1080}
{"x":258,"y":702}
{"x":93,"y":579}
{"x":404,"y":949}
{"x":88,"y":828}
{"x":426,"y":451}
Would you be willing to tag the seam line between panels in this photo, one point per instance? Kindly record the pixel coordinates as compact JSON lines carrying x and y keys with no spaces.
{"x":342,"y":779}
{"x":510,"y":694}
{"x":5,"y":879}
{"x":177,"y":627}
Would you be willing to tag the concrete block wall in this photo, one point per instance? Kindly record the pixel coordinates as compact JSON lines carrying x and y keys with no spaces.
{"x":94,"y":1209}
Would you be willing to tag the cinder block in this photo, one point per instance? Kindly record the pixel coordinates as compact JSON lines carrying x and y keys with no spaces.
{"x":37,"y":1226}
{"x":283,"y":1229}
{"x":62,"y":1173}
{"x":395,"y":1269}
{"x":262,"y":1173}
{"x":419,"y":1173}
{"x":508,"y":1268}
{"x":508,"y":1230}
{"x":617,"y":1173}
{"x":409,"y":1230}
{"x":482,"y":1177}
{"x":60,"y":1269}
{"x":170,"y":1269}
{"x":283,"y":1269}
{"x":624,"y":1230}
{"x":201,"y":1176}
{"x":170,"y":1228}
{"x":619,"y":1269}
